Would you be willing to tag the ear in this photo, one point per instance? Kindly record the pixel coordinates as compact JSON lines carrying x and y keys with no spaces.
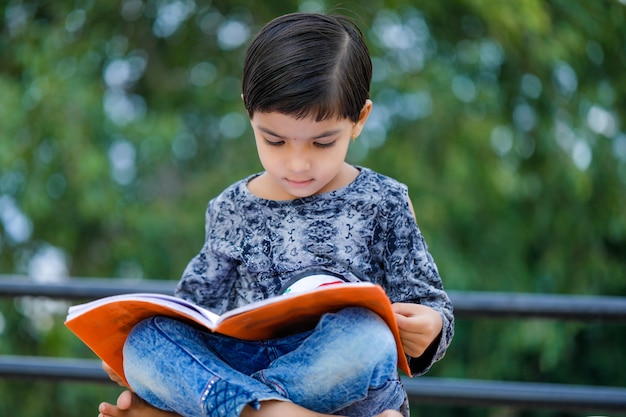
{"x":365,"y":113}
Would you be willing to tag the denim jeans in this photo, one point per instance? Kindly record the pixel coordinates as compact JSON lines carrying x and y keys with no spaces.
{"x":345,"y":366}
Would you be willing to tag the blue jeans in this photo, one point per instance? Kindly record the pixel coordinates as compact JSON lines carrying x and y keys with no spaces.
{"x":346,"y":366}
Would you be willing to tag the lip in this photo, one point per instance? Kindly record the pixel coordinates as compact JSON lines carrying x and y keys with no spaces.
{"x":299,"y":183}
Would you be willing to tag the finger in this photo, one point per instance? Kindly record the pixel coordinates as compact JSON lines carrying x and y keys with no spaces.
{"x":412,"y":323}
{"x":404,"y":309}
{"x":402,"y":321}
{"x":413,"y":348}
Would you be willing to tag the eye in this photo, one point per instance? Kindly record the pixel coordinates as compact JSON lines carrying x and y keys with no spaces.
{"x":274,"y":142}
{"x":324,"y":144}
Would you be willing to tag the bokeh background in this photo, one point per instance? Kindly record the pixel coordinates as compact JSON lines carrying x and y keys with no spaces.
{"x":120,"y":119}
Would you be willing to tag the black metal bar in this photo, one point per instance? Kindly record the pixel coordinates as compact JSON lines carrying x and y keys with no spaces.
{"x":466,"y":304}
{"x":80,"y":288}
{"x":527,"y":395}
{"x":34,"y":367}
{"x":448,"y":391}
{"x":550,"y":306}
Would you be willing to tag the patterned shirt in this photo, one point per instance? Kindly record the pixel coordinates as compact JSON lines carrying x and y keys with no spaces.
{"x":364,"y":232}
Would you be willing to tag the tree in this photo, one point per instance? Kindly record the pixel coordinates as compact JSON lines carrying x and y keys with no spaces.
{"x":121,"y":119}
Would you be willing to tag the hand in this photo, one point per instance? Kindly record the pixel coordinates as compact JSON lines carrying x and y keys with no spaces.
{"x":113,"y":376}
{"x":419,"y":326}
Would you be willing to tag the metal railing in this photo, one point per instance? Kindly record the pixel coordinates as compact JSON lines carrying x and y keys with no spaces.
{"x":448,"y":391}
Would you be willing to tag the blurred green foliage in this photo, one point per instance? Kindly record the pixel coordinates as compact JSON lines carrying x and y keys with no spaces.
{"x":121,"y":119}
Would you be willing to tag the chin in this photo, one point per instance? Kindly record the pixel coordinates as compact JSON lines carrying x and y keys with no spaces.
{"x":300,"y":194}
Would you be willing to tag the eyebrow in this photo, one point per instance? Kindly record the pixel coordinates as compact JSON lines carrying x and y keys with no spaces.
{"x":320,"y":136}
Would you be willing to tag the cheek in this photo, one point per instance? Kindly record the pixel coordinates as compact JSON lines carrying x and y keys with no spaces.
{"x":340,"y":153}
{"x":268,"y":159}
{"x":261,"y":150}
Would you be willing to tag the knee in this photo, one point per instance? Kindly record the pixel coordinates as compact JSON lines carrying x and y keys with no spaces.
{"x":145,"y":341}
{"x":141,"y":334}
{"x":137,"y":344}
{"x":146,"y":351}
{"x":368,"y":332}
{"x":366,"y":323}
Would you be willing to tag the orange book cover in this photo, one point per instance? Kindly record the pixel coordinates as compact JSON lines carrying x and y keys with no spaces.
{"x":104,"y":324}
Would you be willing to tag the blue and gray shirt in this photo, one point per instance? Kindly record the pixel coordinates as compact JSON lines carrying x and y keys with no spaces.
{"x":363,"y":232}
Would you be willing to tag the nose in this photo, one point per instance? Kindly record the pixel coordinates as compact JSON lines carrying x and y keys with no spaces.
{"x":298,"y":161}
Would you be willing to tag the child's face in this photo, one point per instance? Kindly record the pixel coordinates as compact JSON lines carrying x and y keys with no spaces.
{"x":303,"y":157}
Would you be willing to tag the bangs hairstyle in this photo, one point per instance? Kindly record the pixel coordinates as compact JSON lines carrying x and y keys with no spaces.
{"x":308,"y":65}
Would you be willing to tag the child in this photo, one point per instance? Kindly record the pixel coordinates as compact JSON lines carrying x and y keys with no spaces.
{"x":306,"y":87}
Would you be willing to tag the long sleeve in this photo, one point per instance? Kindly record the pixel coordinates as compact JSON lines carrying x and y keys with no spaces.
{"x":210,"y":276}
{"x":412,"y":275}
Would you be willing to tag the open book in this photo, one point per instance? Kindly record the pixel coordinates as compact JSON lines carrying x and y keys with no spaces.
{"x":104,"y":324}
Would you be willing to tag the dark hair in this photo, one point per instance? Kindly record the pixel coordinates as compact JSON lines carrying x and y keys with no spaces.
{"x":308,"y":65}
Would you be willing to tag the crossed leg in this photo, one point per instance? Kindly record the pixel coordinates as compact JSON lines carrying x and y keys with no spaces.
{"x":130,"y":405}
